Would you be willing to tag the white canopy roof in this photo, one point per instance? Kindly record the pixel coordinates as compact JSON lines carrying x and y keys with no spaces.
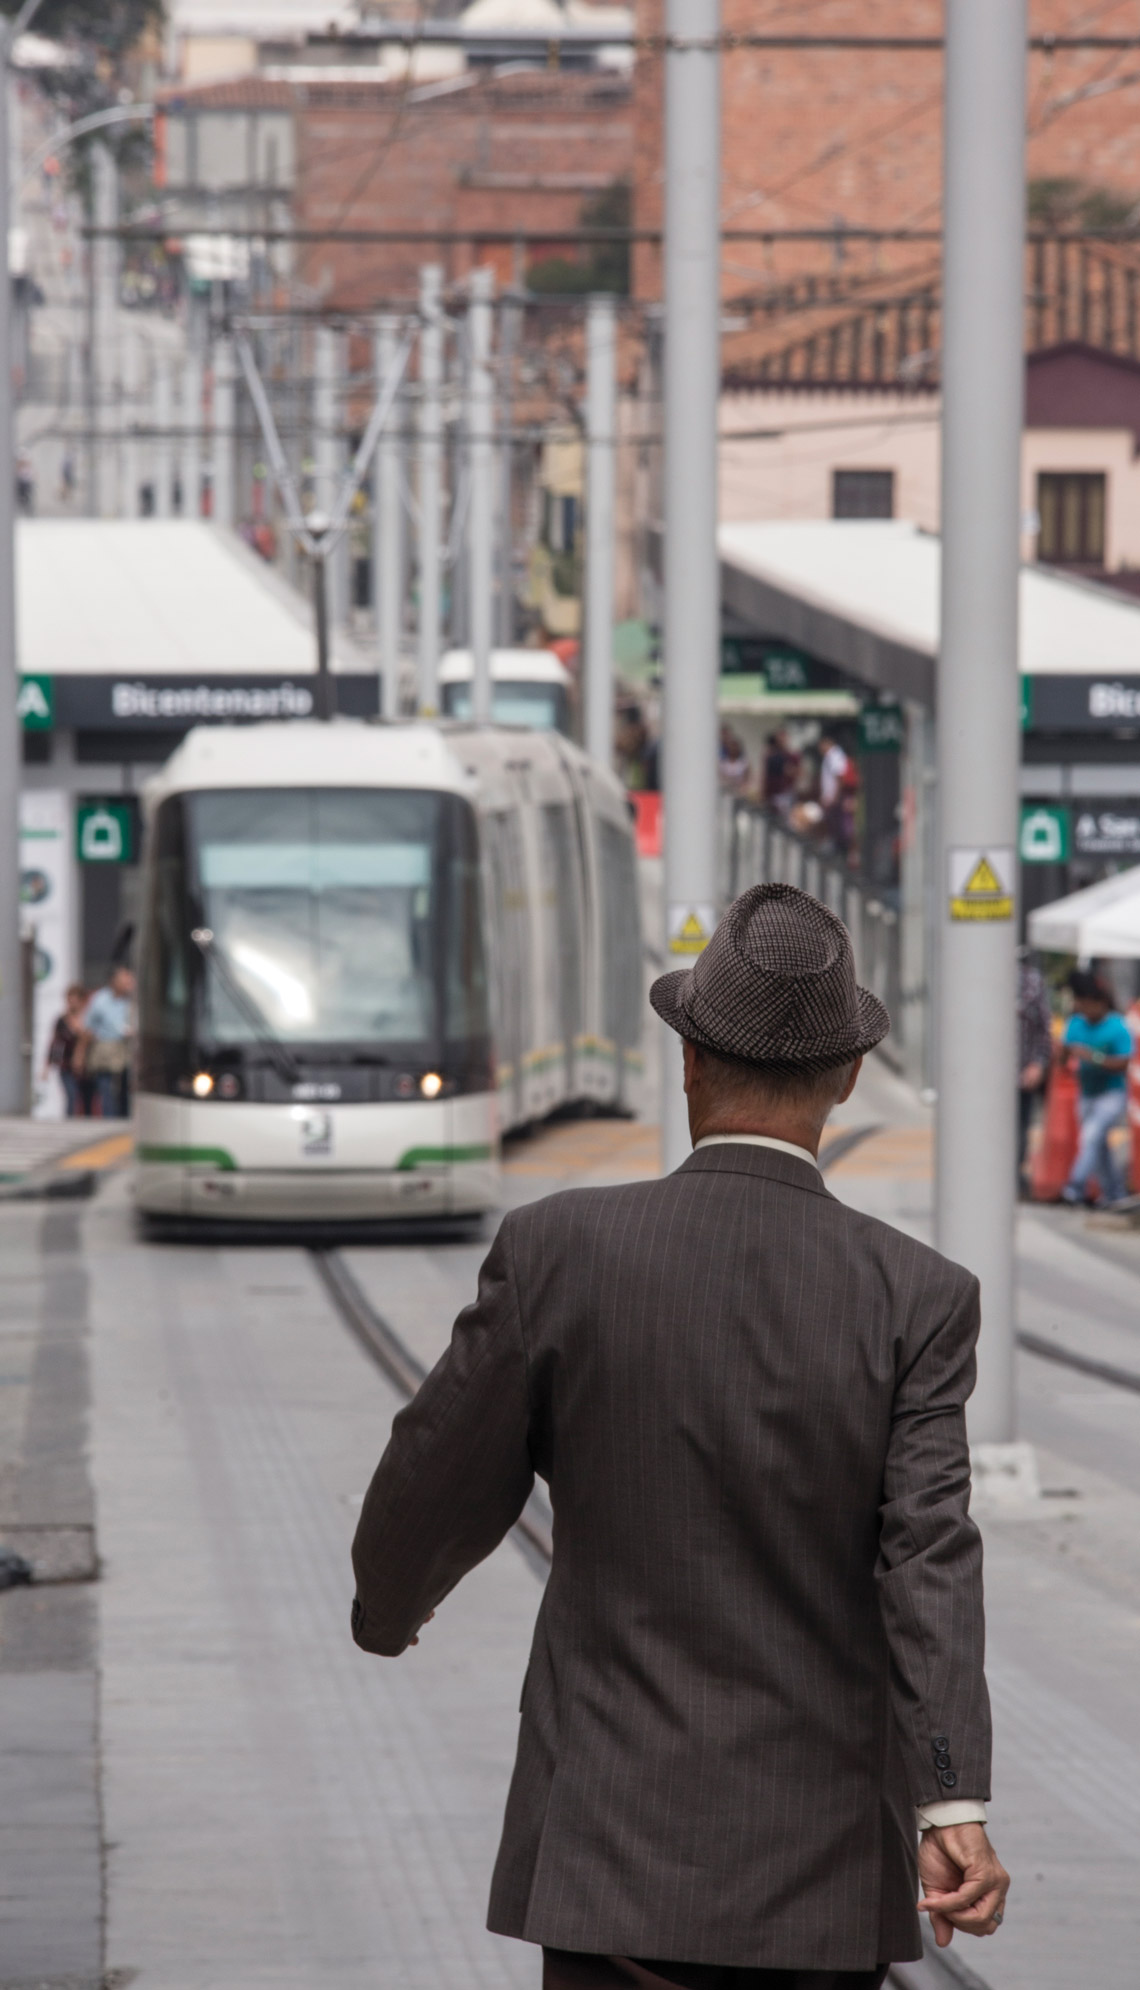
{"x":155,"y":598}
{"x":885,"y":576}
{"x":1100,"y":922}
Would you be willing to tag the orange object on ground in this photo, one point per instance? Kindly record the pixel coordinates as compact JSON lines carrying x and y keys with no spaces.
{"x":646,"y":820}
{"x":1057,"y":1149}
{"x":1133,"y":1020}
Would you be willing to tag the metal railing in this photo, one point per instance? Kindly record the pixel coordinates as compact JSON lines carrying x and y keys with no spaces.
{"x":758,"y":847}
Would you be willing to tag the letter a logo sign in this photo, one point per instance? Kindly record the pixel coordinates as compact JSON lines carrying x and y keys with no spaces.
{"x":981,"y":884}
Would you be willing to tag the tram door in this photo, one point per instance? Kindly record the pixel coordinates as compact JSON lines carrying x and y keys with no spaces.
{"x":562,"y":913}
{"x":510,"y":948}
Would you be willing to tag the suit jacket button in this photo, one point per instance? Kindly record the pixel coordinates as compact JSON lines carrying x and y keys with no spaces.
{"x":941,"y":1759}
{"x":940,"y":1741}
{"x":948,"y":1779}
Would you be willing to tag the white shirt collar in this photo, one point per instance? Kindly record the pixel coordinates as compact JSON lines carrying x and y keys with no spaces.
{"x":758,"y":1140}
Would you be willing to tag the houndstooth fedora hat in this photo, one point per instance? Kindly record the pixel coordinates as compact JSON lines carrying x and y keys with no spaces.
{"x":775,"y":985}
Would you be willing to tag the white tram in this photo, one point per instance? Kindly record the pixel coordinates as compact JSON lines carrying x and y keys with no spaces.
{"x":366,"y":951}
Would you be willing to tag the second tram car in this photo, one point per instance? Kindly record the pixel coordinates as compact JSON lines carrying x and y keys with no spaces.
{"x":366,"y":952}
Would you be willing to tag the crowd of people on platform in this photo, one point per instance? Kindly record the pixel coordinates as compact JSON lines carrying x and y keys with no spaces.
{"x":90,"y":1048}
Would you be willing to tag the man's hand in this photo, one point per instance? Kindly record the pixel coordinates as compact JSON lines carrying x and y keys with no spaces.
{"x":1031,"y":1077}
{"x":427,"y":1620}
{"x":964,"y":1882}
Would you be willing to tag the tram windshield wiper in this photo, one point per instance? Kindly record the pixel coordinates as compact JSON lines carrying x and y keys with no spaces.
{"x":284,"y":1063}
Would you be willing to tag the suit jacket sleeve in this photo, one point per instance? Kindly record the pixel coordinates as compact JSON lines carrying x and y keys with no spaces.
{"x":930,"y":1561}
{"x":457,"y":1471}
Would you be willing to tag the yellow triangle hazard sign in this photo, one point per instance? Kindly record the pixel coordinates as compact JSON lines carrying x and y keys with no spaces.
{"x":982,"y":878}
{"x":692,"y":929}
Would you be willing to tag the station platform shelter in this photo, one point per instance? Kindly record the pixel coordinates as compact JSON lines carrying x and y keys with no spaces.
{"x":129,"y":633}
{"x":813,"y":611}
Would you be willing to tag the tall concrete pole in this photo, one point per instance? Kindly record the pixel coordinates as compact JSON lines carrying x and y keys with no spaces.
{"x":692,"y":582}
{"x":430,"y":454}
{"x":601,"y":460}
{"x":105,"y":328}
{"x":481,"y":505}
{"x":163,"y":440}
{"x":190,"y":467}
{"x":222,"y":481}
{"x":12,"y":1097}
{"x":387,"y":551}
{"x":978,"y":705}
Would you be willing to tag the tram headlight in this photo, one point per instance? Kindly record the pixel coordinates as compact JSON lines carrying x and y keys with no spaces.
{"x":201,"y":1085}
{"x":431,"y":1084}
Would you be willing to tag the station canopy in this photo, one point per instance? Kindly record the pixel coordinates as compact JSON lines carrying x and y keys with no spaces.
{"x":158,"y":598}
{"x":863,"y":594}
{"x":1102,"y":922}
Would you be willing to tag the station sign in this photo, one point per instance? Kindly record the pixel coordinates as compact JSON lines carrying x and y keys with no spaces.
{"x":35,"y":703}
{"x":882,"y":729}
{"x":1044,"y":835}
{"x":1112,"y":831}
{"x":1085,"y":704}
{"x":141,"y":704}
{"x":105,"y":832}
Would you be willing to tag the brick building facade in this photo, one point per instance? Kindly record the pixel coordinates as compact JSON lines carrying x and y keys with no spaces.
{"x":474,"y":156}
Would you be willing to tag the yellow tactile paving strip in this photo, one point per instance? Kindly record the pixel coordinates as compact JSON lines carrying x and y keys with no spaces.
{"x":103,"y":1154}
{"x":902,"y":1150}
{"x":610,"y":1147}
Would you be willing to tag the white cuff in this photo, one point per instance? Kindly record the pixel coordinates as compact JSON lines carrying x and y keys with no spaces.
{"x":963,"y":1810}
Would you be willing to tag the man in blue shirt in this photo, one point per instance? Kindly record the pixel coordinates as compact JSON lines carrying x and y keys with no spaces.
{"x":107,"y":1043}
{"x":1101,"y":1042}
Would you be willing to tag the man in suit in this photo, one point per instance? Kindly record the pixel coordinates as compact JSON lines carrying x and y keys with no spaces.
{"x":756,"y":1675}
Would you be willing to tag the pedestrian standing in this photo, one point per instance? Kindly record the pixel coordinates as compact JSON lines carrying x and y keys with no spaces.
{"x":66,"y":1038}
{"x":758,"y":1657}
{"x":106,"y":1049}
{"x":1034,"y":1052}
{"x":1098,"y":1037}
{"x":836,"y":785}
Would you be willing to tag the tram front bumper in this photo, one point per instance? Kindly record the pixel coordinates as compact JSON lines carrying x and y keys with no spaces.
{"x":326,"y":1195}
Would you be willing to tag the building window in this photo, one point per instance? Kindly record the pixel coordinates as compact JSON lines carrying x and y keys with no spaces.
{"x":1071,"y":505}
{"x":862,"y":494}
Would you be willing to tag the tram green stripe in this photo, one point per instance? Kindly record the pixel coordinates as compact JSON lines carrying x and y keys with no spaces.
{"x":189,"y":1157}
{"x":440,"y":1157}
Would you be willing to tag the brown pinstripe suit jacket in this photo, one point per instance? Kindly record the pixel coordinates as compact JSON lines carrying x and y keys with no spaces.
{"x":766,"y":1602}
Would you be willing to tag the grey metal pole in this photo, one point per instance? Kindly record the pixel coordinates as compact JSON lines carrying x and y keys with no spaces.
{"x":430,"y":452}
{"x":105,"y":285}
{"x":163,"y":441}
{"x":505,"y":603}
{"x":128,"y":447}
{"x":190,"y":471}
{"x":978,"y":707}
{"x":387,"y":560}
{"x":12,"y":1094}
{"x":481,"y":505}
{"x":601,"y":459}
{"x":692,"y":590}
{"x":328,"y":451}
{"x":222,"y":441}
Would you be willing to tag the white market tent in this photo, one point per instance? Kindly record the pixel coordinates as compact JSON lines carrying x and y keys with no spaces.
{"x":1102,"y":922}
{"x":157,"y":597}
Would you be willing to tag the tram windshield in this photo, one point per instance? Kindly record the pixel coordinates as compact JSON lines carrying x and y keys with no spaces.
{"x":343,"y":916}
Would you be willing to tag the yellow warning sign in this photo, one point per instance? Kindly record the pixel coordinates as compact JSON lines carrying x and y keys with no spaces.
{"x":981,"y":884}
{"x":690,"y":928}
